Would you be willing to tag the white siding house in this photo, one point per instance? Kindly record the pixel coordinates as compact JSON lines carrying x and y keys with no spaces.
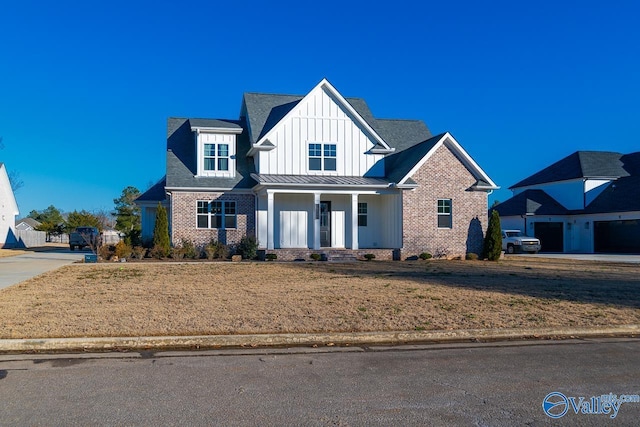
{"x":8,"y":210}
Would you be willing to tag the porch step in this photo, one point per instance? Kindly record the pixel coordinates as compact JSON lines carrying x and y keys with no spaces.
{"x":340,"y":256}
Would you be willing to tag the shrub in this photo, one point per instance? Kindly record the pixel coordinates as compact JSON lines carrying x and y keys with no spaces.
{"x":471,"y":257}
{"x":315,"y":257}
{"x":139,"y":252}
{"x":215,"y":249}
{"x":161,"y":241}
{"x":369,"y":257}
{"x":271,"y":257}
{"x":176,"y":252}
{"x":425,"y":255}
{"x":158,"y":252}
{"x":189,"y":250}
{"x":106,"y":252}
{"x":493,"y":240}
{"x":123,"y":250}
{"x":247,"y":247}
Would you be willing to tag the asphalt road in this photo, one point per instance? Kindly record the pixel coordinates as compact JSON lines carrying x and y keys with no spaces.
{"x":15,"y":269}
{"x":499,"y":384}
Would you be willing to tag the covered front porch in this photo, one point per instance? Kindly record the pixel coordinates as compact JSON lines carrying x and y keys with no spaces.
{"x":294,"y":218}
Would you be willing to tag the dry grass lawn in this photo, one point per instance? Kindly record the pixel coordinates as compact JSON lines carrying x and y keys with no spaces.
{"x":10,"y":252}
{"x":136,"y":299}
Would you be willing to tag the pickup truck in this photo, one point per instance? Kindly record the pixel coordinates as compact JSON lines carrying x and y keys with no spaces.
{"x":514,"y":241}
{"x":84,"y":236}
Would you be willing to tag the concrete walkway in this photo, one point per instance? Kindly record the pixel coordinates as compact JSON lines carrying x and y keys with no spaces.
{"x":15,"y":269}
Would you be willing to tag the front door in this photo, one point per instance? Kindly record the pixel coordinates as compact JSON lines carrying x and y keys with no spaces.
{"x":325,"y":224}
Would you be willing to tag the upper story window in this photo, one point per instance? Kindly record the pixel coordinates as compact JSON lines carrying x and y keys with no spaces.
{"x":322,"y":157}
{"x":444,"y":213}
{"x":216,"y":151}
{"x":216,"y":157}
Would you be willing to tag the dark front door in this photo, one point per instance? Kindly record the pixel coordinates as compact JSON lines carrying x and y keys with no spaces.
{"x":325,"y":224}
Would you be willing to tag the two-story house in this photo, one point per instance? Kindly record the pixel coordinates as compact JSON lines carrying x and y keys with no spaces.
{"x":318,"y":172}
{"x":586,"y":202}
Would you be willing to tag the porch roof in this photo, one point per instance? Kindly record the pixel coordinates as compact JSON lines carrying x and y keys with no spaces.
{"x":317,"y":180}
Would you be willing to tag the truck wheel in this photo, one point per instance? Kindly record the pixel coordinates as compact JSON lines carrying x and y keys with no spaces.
{"x":72,"y":247}
{"x":510,"y":249}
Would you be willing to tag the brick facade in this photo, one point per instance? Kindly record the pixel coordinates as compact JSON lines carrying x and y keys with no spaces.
{"x":443,"y":176}
{"x":183,"y":218}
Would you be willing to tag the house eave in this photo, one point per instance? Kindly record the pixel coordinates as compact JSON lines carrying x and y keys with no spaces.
{"x":382,"y":150}
{"x":205,"y":129}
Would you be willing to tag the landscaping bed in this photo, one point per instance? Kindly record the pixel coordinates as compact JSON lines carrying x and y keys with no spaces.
{"x":151,"y":299}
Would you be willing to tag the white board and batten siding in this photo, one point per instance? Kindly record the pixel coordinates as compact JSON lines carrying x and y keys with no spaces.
{"x":318,"y":118}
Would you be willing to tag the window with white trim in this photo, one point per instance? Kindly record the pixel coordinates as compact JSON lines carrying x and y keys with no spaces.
{"x":362,"y":214}
{"x":219,"y":214}
{"x":444,"y":213}
{"x":322,"y":157}
{"x":216,"y":157}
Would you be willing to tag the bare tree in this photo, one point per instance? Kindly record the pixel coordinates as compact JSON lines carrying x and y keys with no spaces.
{"x":14,"y":177}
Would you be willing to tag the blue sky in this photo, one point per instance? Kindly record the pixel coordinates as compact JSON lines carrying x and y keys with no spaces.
{"x":86,"y":87}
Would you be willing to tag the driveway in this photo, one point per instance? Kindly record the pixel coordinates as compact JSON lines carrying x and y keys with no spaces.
{"x":15,"y":269}
{"x":585,"y":257}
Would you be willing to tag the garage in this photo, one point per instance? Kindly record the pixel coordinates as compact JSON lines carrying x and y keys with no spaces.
{"x":551,"y":236}
{"x":617,"y":236}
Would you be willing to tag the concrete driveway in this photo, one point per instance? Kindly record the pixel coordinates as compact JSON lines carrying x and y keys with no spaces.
{"x":15,"y":269}
{"x":585,"y":257}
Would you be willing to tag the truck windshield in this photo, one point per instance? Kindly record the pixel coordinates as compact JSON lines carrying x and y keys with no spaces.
{"x":514,"y":234}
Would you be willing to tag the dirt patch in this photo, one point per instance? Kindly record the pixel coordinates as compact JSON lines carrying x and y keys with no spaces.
{"x":136,"y":299}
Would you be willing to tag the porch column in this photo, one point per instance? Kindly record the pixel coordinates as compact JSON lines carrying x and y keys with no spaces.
{"x":270,"y":244}
{"x":316,"y":220}
{"x":354,"y":221}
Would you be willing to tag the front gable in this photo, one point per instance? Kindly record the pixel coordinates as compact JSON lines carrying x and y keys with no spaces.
{"x":321,"y":134}
{"x":412,"y":160}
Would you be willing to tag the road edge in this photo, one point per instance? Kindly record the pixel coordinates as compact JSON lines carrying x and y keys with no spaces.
{"x":166,"y":343}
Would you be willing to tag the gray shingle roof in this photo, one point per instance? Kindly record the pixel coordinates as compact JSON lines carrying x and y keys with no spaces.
{"x":402,"y":134}
{"x":260,"y":113}
{"x":398,"y":165}
{"x":534,"y":202}
{"x":581,"y":164}
{"x":215,"y":123}
{"x":264,"y":111}
{"x":622,"y":195}
{"x":155,"y":193}
{"x":182,"y":162}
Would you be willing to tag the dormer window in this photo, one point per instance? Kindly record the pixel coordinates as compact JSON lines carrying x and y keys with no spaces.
{"x":322,"y":157}
{"x":216,"y":157}
{"x":216,"y":151}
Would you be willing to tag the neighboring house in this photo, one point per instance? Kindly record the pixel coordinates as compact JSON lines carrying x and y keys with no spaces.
{"x":587,"y":202}
{"x":8,"y":210}
{"x":27,"y":224}
{"x":318,"y":173}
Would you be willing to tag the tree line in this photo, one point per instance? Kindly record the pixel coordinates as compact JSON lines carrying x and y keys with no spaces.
{"x":126,"y":214}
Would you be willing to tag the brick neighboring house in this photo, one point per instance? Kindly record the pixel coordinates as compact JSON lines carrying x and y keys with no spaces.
{"x":318,"y":173}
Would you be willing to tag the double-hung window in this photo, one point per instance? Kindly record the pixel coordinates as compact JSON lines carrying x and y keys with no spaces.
{"x":216,"y":214}
{"x":216,"y":157}
{"x":322,"y":157}
{"x":362,"y":214}
{"x":444,"y":213}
